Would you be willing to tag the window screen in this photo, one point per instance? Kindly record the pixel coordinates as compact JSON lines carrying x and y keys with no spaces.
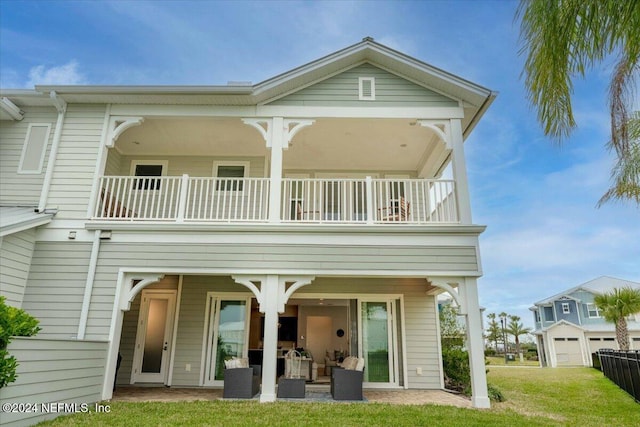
{"x":146,"y":171}
{"x":233,"y":175}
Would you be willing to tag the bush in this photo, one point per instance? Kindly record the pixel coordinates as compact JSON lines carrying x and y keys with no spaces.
{"x":489,"y":352}
{"x":13,"y":323}
{"x":495,"y":394}
{"x":457,"y":377}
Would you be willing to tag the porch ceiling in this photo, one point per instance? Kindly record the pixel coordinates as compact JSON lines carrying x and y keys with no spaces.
{"x":329,"y":144}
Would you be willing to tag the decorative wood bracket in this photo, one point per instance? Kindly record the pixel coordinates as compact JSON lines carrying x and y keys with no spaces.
{"x":290,"y":128}
{"x":134,"y":283}
{"x":118,"y":124}
{"x":451,"y":286}
{"x":440,"y":127}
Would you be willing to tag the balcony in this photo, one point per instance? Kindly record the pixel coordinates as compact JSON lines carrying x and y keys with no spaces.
{"x":186,"y":199}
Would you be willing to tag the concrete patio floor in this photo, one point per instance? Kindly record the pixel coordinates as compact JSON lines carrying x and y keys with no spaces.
{"x":396,"y":397}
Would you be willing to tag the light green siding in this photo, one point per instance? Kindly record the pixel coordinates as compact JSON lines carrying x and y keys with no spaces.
{"x":191,"y":324}
{"x":235,"y":256}
{"x":55,"y":287}
{"x":16,"y":251}
{"x":342,"y":91}
{"x":201,"y":166}
{"x":129,"y":329}
{"x":77,"y":155}
{"x":66,"y":371}
{"x":22,"y":189}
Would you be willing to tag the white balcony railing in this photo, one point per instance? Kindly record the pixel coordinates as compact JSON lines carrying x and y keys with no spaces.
{"x":183,"y":198}
{"x":320,"y":201}
{"x":372,"y":201}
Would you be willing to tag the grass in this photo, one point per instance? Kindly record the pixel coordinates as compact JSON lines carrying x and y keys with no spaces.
{"x":535,"y":397}
{"x":499,"y":361}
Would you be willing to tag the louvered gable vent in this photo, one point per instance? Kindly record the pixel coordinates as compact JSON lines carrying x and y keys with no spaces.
{"x":367,"y":88}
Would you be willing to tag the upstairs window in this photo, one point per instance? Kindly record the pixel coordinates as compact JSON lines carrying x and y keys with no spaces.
{"x":536,"y":314}
{"x":233,"y":174}
{"x":34,"y":149}
{"x":548,"y":314}
{"x":566,"y":309}
{"x":366,"y":88}
{"x":146,"y":170}
{"x":593,"y":311}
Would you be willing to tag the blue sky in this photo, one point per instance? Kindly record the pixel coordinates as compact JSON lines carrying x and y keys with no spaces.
{"x":537,"y":198}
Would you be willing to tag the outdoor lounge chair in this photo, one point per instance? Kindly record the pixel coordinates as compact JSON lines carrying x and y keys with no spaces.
{"x":346,"y":384}
{"x":242,"y":383}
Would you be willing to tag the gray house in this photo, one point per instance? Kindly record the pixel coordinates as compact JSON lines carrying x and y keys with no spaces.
{"x":569,"y":327}
{"x":324,"y":208}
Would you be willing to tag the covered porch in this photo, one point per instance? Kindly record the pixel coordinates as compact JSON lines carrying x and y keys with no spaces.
{"x":390,"y":322}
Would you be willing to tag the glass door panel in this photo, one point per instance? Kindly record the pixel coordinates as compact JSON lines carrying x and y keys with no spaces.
{"x":231,"y":333}
{"x":376,"y":345}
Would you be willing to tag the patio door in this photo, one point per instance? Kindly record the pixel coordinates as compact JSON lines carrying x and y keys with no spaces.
{"x":153,"y":339}
{"x":377,"y":340}
{"x":227,"y":333}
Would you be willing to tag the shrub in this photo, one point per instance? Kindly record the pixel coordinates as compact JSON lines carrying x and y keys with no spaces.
{"x":455,"y":363}
{"x":489,"y":352}
{"x":13,"y":322}
{"x":495,"y":393}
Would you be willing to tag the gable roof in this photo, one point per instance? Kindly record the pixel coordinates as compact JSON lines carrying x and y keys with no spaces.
{"x":474,"y":99}
{"x":598,"y":285}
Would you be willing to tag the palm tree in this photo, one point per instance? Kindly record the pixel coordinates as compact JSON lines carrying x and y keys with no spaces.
{"x":562,"y":39}
{"x":516,"y":328}
{"x":493,"y":331}
{"x":616,"y":306}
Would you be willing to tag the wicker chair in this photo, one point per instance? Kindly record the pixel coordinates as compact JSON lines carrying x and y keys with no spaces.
{"x":346,"y":384}
{"x":242,"y":383}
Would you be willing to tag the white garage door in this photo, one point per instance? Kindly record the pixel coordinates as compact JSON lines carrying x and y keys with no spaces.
{"x":568,"y":352}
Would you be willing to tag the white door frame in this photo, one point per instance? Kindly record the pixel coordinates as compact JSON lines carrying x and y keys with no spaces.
{"x":210,"y":335}
{"x":137,"y":376}
{"x":392,"y":339}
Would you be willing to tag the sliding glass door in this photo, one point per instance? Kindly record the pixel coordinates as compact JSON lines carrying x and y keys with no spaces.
{"x":227,"y":333}
{"x":378,"y":342}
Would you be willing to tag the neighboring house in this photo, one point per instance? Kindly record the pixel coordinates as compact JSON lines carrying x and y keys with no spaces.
{"x":335,"y":194}
{"x":569,"y":326}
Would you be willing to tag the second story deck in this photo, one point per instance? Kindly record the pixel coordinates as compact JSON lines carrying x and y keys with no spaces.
{"x":185,"y":198}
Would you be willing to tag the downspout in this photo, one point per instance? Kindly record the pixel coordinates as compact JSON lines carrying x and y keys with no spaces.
{"x":88,"y":287}
{"x":61,"y":106}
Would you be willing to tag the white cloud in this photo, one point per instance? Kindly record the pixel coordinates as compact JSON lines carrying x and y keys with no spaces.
{"x":66,"y":74}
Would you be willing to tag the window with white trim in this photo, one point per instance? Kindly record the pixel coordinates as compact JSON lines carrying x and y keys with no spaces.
{"x":233,"y":174}
{"x":566,"y":309}
{"x":34,"y":149}
{"x":146,"y":170}
{"x":366,"y":88}
{"x":593,"y":311}
{"x":549,"y":315}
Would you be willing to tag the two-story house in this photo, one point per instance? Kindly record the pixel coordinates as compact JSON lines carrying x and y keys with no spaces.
{"x":324,"y":208}
{"x":569,"y":327}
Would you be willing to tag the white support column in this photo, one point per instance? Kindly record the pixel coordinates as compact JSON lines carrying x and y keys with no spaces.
{"x":269,"y":306}
{"x":277,"y":133}
{"x":275,"y":191}
{"x":460,"y":172}
{"x":469,"y":294}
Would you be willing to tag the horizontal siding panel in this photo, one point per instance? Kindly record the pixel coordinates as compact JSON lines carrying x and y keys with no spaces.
{"x":16,"y":254}
{"x":22,"y":189}
{"x":56,"y":286}
{"x":72,"y":181}
{"x":342,"y":90}
{"x":66,"y":371}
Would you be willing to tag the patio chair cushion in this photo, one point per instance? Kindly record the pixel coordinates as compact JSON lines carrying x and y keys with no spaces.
{"x":237,"y":362}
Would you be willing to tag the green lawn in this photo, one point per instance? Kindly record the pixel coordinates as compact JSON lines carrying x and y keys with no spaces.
{"x":499,"y":360}
{"x":535,"y":397}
